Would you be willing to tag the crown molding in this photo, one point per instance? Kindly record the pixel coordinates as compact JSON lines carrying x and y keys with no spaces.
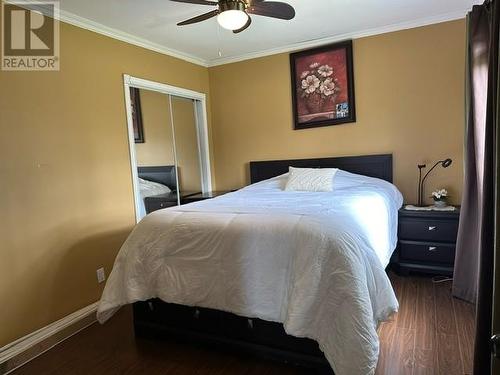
{"x":354,"y":35}
{"x":85,"y":23}
{"x":99,"y":28}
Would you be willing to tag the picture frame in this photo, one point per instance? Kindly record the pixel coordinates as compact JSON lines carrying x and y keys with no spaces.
{"x":323,"y":86}
{"x":135,"y":103}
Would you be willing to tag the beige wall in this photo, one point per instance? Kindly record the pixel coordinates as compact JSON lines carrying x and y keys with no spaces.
{"x":409,"y":102}
{"x":158,"y":146}
{"x":66,"y":198}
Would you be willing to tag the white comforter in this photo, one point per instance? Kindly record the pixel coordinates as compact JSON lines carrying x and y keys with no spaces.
{"x":312,"y":261}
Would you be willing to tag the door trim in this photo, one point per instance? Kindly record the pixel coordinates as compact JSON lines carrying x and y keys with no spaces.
{"x":200,"y":100}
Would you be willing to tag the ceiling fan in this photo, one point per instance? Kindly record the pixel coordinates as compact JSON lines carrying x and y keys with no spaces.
{"x":235,"y":14}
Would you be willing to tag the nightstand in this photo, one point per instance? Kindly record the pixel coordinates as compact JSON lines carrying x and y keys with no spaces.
{"x":158,"y":202}
{"x":427,"y":241}
{"x":202,"y":196}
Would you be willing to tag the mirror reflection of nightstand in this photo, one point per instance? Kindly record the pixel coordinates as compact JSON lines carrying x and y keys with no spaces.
{"x":201,"y":196}
{"x":157,"y":202}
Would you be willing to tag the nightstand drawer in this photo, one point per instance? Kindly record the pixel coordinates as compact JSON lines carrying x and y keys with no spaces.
{"x":427,"y":252}
{"x":428,"y":230}
{"x":153,"y":205}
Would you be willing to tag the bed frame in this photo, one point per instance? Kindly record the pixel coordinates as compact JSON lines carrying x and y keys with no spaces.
{"x":379,"y":166}
{"x":255,"y":337}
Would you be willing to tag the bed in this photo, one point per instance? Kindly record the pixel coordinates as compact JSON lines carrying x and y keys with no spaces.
{"x":288,"y":276}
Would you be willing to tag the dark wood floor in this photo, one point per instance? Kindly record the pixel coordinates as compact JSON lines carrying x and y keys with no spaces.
{"x":432,"y":334}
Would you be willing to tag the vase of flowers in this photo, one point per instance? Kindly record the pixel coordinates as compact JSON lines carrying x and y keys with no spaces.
{"x":440,"y":198}
{"x":318,"y":87}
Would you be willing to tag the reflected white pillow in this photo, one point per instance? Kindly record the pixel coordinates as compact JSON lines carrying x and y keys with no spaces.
{"x":310,"y":179}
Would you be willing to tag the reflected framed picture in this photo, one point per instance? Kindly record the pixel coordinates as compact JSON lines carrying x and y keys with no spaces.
{"x":323,"y":86}
{"x":135,"y":102}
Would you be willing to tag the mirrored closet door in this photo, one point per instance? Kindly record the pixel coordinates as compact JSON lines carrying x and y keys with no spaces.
{"x":169,"y":147}
{"x":186,"y":143}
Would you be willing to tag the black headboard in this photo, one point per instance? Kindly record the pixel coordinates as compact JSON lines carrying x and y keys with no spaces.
{"x":379,"y":166}
{"x":162,"y":174}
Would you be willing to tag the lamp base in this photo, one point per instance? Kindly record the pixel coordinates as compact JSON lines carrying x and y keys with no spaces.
{"x":411,"y":207}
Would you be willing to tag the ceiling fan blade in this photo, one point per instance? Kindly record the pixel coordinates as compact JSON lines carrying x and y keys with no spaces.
{"x":272,"y":9}
{"x":199,"y":2}
{"x":249,"y":22}
{"x":199,"y":18}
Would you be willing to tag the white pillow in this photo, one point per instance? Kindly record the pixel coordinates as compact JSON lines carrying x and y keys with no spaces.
{"x":310,"y":179}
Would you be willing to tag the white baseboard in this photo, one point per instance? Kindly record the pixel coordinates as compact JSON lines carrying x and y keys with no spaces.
{"x":26,"y":348}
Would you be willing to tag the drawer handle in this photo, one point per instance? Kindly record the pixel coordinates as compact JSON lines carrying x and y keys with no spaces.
{"x":196,"y":314}
{"x":250,"y":323}
{"x":151,"y":306}
{"x":432,"y":248}
{"x":432,"y":228}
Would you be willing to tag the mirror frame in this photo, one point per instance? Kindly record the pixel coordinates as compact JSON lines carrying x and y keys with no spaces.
{"x":200,"y":108}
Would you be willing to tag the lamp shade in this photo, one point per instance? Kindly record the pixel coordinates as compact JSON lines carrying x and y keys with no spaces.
{"x":232,"y":19}
{"x":446,"y":163}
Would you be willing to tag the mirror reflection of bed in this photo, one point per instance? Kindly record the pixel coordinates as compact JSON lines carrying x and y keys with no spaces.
{"x":166,"y":149}
{"x":158,"y":188}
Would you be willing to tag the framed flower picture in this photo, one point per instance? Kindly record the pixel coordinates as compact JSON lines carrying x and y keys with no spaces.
{"x":135,"y":102}
{"x":323,"y":86}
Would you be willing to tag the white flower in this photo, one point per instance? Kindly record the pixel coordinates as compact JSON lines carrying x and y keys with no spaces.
{"x":325,"y":70}
{"x":304,"y":74}
{"x":314,"y":65}
{"x":328,"y":87}
{"x":440,"y":194}
{"x":310,"y":84}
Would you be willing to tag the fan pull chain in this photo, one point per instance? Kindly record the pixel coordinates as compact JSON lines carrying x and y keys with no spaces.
{"x":219,"y":52}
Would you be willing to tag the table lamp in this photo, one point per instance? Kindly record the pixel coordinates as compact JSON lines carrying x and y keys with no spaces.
{"x":444,"y":163}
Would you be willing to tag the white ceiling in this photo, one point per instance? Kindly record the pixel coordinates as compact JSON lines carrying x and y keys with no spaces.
{"x":152,"y":23}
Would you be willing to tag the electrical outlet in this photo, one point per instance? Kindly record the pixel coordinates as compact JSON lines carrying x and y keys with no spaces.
{"x":101,"y":275}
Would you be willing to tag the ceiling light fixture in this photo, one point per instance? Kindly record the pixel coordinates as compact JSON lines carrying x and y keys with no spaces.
{"x":236,"y":15}
{"x":232,"y":15}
